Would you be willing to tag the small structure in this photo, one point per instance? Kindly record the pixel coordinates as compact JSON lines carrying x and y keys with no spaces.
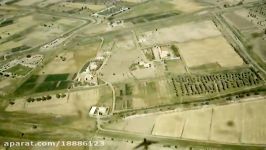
{"x":145,"y":65}
{"x":93,"y":66}
{"x":103,"y":111}
{"x":92,"y":111}
{"x":116,"y":23}
{"x":98,"y":111}
{"x":164,"y":54}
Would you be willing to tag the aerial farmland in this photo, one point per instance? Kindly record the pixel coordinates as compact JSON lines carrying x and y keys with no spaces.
{"x":133,"y":74}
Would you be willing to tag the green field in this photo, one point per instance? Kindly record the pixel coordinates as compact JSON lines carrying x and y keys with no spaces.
{"x":150,"y":17}
{"x":147,"y":8}
{"x":175,"y":66}
{"x":56,"y":77}
{"x":45,"y":83}
{"x":19,"y":70}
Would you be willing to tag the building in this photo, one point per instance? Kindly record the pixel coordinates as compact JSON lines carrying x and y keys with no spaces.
{"x":92,"y":111}
{"x":98,"y":111}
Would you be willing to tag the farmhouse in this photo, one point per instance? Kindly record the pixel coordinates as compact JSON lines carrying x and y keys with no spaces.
{"x":163,"y":54}
{"x":98,"y":111}
{"x":92,"y":111}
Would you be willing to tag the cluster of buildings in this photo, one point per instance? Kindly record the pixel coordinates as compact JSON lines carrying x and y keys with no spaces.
{"x":89,"y":74}
{"x":110,"y":11}
{"x":31,"y":61}
{"x":162,"y":53}
{"x":144,"y":64}
{"x":53,"y":44}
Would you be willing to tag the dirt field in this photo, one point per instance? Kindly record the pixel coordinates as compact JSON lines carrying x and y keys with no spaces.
{"x":187,"y":6}
{"x":259,"y":48}
{"x":175,"y":66}
{"x":117,"y":67}
{"x":75,"y":103}
{"x":179,"y":33}
{"x":170,"y":125}
{"x":144,"y":73}
{"x":184,"y":124}
{"x":134,"y":1}
{"x":77,"y":5}
{"x":47,"y":3}
{"x":18,"y":26}
{"x":27,"y":2}
{"x":42,"y":34}
{"x":226,"y":124}
{"x":235,"y":123}
{"x":10,"y":45}
{"x":254,"y":122}
{"x":7,"y":85}
{"x":195,"y":128}
{"x":123,"y":55}
{"x":74,"y":59}
{"x":208,"y":51}
{"x":140,"y":124}
{"x":97,"y":28}
{"x":238,"y":21}
{"x":161,"y":94}
{"x":33,"y":30}
{"x":126,"y":144}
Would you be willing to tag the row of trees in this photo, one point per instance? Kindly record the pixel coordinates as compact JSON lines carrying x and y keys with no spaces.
{"x":188,"y":85}
{"x":44,"y":98}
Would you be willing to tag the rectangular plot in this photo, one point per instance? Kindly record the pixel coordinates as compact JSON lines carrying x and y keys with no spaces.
{"x":254,"y":123}
{"x":198,"y":124}
{"x":46,"y":86}
{"x":226,"y":124}
{"x":57,"y":77}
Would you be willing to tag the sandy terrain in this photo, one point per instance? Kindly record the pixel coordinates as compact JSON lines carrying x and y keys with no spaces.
{"x":187,"y":6}
{"x":97,"y":28}
{"x":139,"y":124}
{"x":135,"y":1}
{"x":27,"y":2}
{"x":169,"y":125}
{"x":18,"y":26}
{"x":179,"y":33}
{"x":186,"y":124}
{"x":234,"y":123}
{"x":127,"y":144}
{"x":9,"y":45}
{"x":175,"y":66}
{"x":7,"y":85}
{"x":254,"y":122}
{"x":144,"y":73}
{"x":67,"y":66}
{"x":117,"y":67}
{"x":47,"y":2}
{"x":226,"y":124}
{"x":75,"y":59}
{"x":138,"y":103}
{"x":195,"y":128}
{"x":41,"y":34}
{"x":207,"y":51}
